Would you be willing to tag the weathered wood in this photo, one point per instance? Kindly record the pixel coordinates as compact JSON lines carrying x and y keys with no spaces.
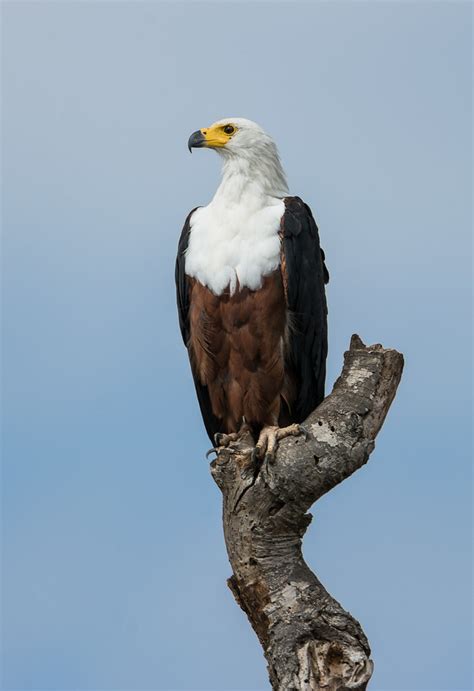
{"x":309,"y":640}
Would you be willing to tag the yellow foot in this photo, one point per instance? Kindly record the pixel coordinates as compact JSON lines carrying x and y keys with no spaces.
{"x":222,"y":440}
{"x":269,"y":437}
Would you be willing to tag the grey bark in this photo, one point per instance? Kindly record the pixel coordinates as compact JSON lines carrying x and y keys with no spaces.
{"x":310,"y":642}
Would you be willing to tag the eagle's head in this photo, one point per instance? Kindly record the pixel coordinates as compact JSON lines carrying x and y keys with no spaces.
{"x":233,"y":137}
{"x":250,"y":157}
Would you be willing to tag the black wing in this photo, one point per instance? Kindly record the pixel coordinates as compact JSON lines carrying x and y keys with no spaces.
{"x":305,"y":275}
{"x":212,"y":423}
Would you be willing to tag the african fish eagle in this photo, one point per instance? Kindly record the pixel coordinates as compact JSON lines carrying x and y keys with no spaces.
{"x":250,"y":278}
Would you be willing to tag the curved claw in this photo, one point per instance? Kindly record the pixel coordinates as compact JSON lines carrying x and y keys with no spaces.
{"x":269,"y":458}
{"x":211,"y":451}
{"x":305,"y":432}
{"x":254,"y":456}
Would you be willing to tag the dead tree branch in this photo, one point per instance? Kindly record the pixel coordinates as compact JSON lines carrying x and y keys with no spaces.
{"x":309,"y":640}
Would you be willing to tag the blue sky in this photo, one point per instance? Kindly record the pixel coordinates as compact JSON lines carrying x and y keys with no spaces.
{"x":113,"y":559}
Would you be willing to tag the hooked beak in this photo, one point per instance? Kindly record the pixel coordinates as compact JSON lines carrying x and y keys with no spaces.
{"x":196,"y":140}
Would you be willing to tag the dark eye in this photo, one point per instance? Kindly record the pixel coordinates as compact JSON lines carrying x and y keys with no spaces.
{"x":228,"y":129}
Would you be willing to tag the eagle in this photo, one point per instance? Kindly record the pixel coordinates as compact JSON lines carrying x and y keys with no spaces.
{"x":250,"y":283}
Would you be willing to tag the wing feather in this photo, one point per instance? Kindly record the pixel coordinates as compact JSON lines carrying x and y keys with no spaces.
{"x":305,"y":275}
{"x":211,"y":423}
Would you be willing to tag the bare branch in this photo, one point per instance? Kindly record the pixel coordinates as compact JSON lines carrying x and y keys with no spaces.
{"x":309,"y":640}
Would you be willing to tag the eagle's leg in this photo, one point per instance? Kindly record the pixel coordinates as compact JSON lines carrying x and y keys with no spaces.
{"x":269,"y":437}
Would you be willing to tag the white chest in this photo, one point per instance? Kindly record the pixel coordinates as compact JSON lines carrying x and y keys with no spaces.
{"x":234,"y":244}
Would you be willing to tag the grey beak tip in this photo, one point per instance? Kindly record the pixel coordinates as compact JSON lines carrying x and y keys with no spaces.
{"x":196,"y":140}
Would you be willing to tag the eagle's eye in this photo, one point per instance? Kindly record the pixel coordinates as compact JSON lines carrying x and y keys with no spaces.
{"x":228,"y":129}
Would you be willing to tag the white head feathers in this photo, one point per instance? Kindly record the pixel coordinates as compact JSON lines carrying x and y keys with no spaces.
{"x":251,"y":151}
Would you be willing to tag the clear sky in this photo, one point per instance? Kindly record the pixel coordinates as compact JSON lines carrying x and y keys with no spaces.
{"x":114,"y":563}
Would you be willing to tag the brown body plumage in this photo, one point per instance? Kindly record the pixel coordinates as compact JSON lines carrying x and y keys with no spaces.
{"x":236,"y":347}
